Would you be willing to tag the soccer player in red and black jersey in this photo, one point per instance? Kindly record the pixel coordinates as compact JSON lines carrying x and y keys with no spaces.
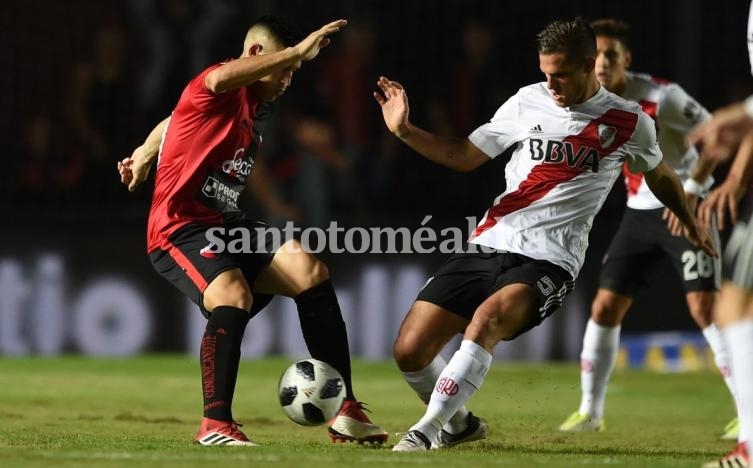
{"x":205,"y":152}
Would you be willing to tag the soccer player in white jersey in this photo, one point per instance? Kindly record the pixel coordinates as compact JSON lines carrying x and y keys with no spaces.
{"x":730,"y":128}
{"x":569,"y":137}
{"x":643,"y":237}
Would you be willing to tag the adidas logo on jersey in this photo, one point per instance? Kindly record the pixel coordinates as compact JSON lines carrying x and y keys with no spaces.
{"x":536,"y":130}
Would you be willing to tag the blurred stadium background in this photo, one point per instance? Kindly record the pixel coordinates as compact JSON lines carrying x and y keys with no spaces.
{"x":83,"y":81}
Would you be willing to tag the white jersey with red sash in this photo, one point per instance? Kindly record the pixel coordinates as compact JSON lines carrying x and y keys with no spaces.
{"x":564,"y":162}
{"x":675,"y":114}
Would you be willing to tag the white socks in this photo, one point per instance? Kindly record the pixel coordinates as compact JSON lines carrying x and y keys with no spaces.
{"x":459,"y":380}
{"x":722,"y":357}
{"x":599,"y":355}
{"x":739,"y":337}
{"x":597,"y":360}
{"x":423,"y":381}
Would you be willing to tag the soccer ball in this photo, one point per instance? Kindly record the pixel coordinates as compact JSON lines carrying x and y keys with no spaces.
{"x":311,"y":392}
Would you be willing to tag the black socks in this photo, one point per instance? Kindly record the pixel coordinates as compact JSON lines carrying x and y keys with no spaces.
{"x":324,"y":329}
{"x":220,"y":357}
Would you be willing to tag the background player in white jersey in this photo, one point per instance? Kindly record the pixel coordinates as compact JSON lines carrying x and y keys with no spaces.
{"x":569,"y":137}
{"x":730,"y":128}
{"x":643,"y":237}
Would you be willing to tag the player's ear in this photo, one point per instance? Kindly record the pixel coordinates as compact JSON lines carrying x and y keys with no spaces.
{"x":628,"y":59}
{"x":254,"y":49}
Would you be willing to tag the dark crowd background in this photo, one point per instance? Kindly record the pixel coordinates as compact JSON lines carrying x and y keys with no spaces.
{"x":83,"y":82}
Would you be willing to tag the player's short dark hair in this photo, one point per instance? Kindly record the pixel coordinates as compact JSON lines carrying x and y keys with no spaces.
{"x":614,"y":28}
{"x":279,"y":27}
{"x":574,"y":38}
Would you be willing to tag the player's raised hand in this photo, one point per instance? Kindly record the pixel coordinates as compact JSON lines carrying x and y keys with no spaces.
{"x":124,"y":169}
{"x":722,"y":201}
{"x":309,"y":48}
{"x":134,"y":169}
{"x":394,"y":103}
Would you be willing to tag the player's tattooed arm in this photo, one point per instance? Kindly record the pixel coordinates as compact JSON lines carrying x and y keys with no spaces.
{"x":455,"y":153}
{"x":458,"y":154}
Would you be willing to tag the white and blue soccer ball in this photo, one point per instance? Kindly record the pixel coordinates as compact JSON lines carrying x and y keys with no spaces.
{"x":311,"y":392}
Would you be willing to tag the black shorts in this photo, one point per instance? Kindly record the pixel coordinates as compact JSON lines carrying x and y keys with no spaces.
{"x":640,"y":243}
{"x":468,"y":279}
{"x":738,"y":256}
{"x":190,"y":265}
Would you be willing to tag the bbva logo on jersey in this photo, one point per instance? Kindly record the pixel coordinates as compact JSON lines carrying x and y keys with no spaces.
{"x":557,"y":152}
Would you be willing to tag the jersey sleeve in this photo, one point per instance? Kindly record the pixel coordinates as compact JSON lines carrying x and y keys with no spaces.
{"x":497,"y":135}
{"x":643,"y":153}
{"x":679,"y":111}
{"x":202,"y":98}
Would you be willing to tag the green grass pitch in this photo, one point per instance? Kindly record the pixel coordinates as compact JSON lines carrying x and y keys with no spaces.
{"x":143,"y":412}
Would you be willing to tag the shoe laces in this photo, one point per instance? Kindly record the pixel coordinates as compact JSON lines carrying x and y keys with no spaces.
{"x":355,"y":409}
{"x":235,"y":432}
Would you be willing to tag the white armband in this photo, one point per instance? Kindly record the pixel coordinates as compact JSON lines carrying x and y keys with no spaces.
{"x":694,"y":188}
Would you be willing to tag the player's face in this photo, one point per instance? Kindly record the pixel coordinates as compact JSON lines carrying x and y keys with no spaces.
{"x":612,"y":61}
{"x":567,"y":81}
{"x":272,"y":86}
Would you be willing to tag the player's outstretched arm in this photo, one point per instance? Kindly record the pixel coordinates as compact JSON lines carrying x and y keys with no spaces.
{"x":455,"y":153}
{"x":309,"y":48}
{"x":666,"y":186}
{"x":247,"y":69}
{"x":722,"y":133}
{"x":134,"y":169}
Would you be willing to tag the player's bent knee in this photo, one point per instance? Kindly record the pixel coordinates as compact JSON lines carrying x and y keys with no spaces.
{"x":241,"y":301}
{"x":233,"y":294}
{"x":410,"y":357}
{"x":318,"y":272}
{"x":314,"y":273}
{"x":488,"y":327}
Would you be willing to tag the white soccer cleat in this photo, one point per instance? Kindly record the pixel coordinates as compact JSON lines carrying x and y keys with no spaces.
{"x":351,"y":424}
{"x":413,"y":441}
{"x":476,"y":430}
{"x":581,"y":422}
